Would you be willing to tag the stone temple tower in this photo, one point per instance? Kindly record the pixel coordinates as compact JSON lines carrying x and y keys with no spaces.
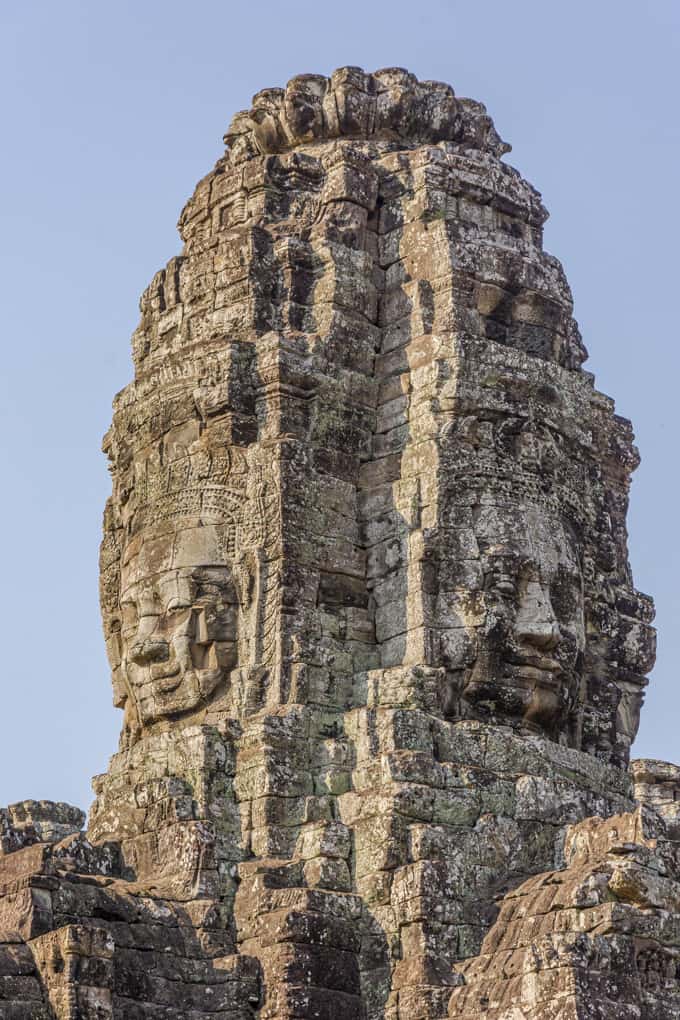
{"x":369,"y":612}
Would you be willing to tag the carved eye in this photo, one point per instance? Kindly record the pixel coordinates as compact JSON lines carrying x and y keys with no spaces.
{"x":500,"y":581}
{"x":176,"y":606}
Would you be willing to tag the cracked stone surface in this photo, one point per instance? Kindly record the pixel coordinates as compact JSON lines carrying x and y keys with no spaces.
{"x":369,"y":613}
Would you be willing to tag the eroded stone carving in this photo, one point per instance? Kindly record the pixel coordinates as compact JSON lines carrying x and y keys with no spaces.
{"x":367,"y":602}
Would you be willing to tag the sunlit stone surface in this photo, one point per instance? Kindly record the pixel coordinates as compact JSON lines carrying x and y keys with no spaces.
{"x":368,"y":607}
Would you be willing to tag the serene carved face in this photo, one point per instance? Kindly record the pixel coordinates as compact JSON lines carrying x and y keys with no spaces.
{"x":179,"y":616}
{"x":517,"y":654}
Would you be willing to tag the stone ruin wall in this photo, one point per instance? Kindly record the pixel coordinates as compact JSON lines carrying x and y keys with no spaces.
{"x":369,"y":612}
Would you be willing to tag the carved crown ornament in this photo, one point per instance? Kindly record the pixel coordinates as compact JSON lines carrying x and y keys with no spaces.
{"x":389,"y":105}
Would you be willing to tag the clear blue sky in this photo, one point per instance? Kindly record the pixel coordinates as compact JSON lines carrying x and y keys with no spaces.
{"x":111,"y":113}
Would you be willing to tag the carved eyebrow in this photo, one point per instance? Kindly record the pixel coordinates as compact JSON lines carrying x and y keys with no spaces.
{"x":219,"y":576}
{"x":510,"y":560}
{"x":197,"y":573}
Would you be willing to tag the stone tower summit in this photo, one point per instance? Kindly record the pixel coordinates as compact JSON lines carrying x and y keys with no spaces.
{"x":369,"y":613}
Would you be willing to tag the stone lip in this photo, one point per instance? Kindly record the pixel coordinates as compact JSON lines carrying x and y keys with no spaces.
{"x":390,"y":105}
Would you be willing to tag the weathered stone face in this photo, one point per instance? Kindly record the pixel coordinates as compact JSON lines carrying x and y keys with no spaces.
{"x":184,"y":590}
{"x":531,"y":463}
{"x":180,"y":616}
{"x":520,"y":647}
{"x":368,"y":607}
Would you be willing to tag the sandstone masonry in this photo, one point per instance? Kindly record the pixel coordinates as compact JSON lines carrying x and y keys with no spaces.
{"x":369,"y":613}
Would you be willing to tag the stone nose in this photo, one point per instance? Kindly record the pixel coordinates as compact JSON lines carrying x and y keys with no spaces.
{"x":536,"y":623}
{"x":143,"y":653}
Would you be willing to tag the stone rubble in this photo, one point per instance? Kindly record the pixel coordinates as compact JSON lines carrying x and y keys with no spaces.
{"x":369,"y":612}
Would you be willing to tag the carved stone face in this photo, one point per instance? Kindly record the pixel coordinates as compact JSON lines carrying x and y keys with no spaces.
{"x":179,"y":621}
{"x":517,"y":655}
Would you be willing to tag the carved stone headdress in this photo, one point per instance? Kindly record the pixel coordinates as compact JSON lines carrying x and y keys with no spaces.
{"x":201,"y":485}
